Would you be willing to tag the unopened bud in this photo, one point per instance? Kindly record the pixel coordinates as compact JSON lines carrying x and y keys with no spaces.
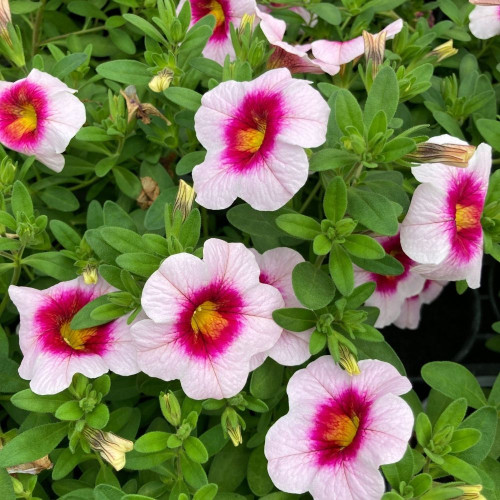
{"x":235,"y":434}
{"x":246,"y":20}
{"x":5,"y":19}
{"x":90,"y":276}
{"x":471,"y":492}
{"x":443,"y":51}
{"x":455,"y":155}
{"x":18,"y":487}
{"x":374,"y":49}
{"x":7,"y":172}
{"x":184,"y":199}
{"x":111,"y":447}
{"x":348,"y":361}
{"x":161,"y":80}
{"x":170,"y":408}
{"x":231,"y":425}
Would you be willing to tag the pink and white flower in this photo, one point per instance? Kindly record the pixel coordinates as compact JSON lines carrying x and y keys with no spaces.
{"x":285,"y":55}
{"x":442,"y":230}
{"x":391,"y":291}
{"x":485,"y":19}
{"x":39,"y":115}
{"x":53,"y":352}
{"x":339,"y":430}
{"x":208,"y":318}
{"x":330,"y":55}
{"x":255,"y":134}
{"x":219,"y":45}
{"x":276,"y":266}
{"x":410,"y":311}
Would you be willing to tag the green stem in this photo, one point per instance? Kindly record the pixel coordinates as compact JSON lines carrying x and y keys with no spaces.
{"x":66,"y":35}
{"x":35,"y":40}
{"x":6,"y":255}
{"x":311,"y":196}
{"x":84,"y":183}
{"x":15,"y":278}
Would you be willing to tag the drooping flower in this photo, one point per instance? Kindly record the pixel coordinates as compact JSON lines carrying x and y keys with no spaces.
{"x":485,"y":19}
{"x":285,"y":55}
{"x":254,"y":133}
{"x":443,"y":51}
{"x":391,"y":291}
{"x":53,"y":352}
{"x":39,"y":115}
{"x":442,"y":230}
{"x":455,"y":155}
{"x":208,"y":318}
{"x":219,"y":45}
{"x":339,"y":430}
{"x":410,"y":311}
{"x":110,"y":446}
{"x":276,"y":268}
{"x":330,"y":55}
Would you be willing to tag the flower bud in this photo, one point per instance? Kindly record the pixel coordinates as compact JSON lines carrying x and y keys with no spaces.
{"x":470,"y":492}
{"x":455,"y":155}
{"x":231,"y":425}
{"x":443,"y":51}
{"x":170,"y":408}
{"x":111,"y":447}
{"x":161,"y":80}
{"x":348,"y":361}
{"x":18,"y":487}
{"x":5,"y":19}
{"x":184,"y":199}
{"x":246,"y":20}
{"x":90,"y":276}
{"x":374,"y":49}
{"x":33,"y":468}
{"x":7,"y":172}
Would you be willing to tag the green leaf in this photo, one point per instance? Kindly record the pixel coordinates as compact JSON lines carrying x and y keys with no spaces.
{"x":65,"y":234}
{"x":125,"y":71}
{"x":52,"y":264}
{"x":463,"y":439}
{"x":326,"y":11}
{"x":313,"y":287}
{"x":152,"y":442}
{"x":70,"y":410}
{"x":189,"y":161}
{"x":331,"y":159}
{"x":60,"y":198}
{"x":257,"y":476}
{"x":28,"y":400}
{"x":123,"y":240}
{"x":255,"y":222}
{"x":423,"y":429}
{"x":6,"y":487}
{"x":387,"y":266}
{"x":341,"y":270}
{"x":145,"y":461}
{"x":228,"y":470}
{"x":99,"y":417}
{"x":86,"y":9}
{"x":295,"y":319}
{"x":383,"y":96}
{"x":347,"y":112}
{"x":452,"y":415}
{"x":454,"y":381}
{"x":195,"y":450}
{"x":373,"y":211}
{"x":397,"y":148}
{"x":193,"y":473}
{"x":400,"y":471}
{"x":335,"y":200}
{"x":299,"y":226}
{"x":460,"y":470}
{"x":146,"y":27}
{"x":32,"y":444}
{"x":266,"y":379}
{"x":359,"y":295}
{"x":92,"y":134}
{"x":128,"y":183}
{"x":185,"y":98}
{"x":364,"y":247}
{"x":142,"y":264}
{"x":83,"y":318}
{"x":68,"y":64}
{"x":490,"y":130}
{"x":206,"y":492}
{"x":21,"y":200}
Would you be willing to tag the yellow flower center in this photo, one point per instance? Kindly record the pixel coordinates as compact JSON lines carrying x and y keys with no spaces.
{"x":26,"y":121}
{"x":218,"y":12}
{"x":466,"y":216}
{"x":342,"y":430}
{"x":76,"y":339}
{"x":207,"y":320}
{"x":250,"y":140}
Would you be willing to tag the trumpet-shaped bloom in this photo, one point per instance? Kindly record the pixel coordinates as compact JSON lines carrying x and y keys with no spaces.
{"x":39,"y":115}
{"x":339,"y":430}
{"x":53,"y":352}
{"x":330,"y":55}
{"x":442,"y":230}
{"x":391,"y":292}
{"x":219,"y":45}
{"x":276,"y":268}
{"x":208,"y":318}
{"x":485,"y":20}
{"x":254,"y":133}
{"x":410,"y":311}
{"x":285,"y":55}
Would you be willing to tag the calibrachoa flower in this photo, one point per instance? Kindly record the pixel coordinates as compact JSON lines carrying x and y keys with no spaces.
{"x":254,"y":133}
{"x":339,"y":430}
{"x":208,"y":318}
{"x":442,"y":230}
{"x":391,"y":291}
{"x":485,"y":19}
{"x":53,"y":352}
{"x":330,"y":55}
{"x":410,"y":311}
{"x":39,"y":115}
{"x":219,"y":45}
{"x":285,"y":55}
{"x":276,"y":268}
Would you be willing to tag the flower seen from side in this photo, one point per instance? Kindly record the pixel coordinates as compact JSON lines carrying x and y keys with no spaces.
{"x":485,"y":19}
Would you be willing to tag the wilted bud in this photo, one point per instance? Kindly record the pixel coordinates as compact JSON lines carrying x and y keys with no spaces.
{"x":246,"y":20}
{"x":137,"y":109}
{"x":443,"y":51}
{"x":161,"y":80}
{"x":5,"y":19}
{"x":184,"y":199}
{"x":455,"y":155}
{"x":150,"y":191}
{"x":470,"y":492}
{"x":374,"y":49}
{"x":171,"y":408}
{"x":110,"y":446}
{"x":35,"y":467}
{"x":348,"y":361}
{"x":90,"y":275}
